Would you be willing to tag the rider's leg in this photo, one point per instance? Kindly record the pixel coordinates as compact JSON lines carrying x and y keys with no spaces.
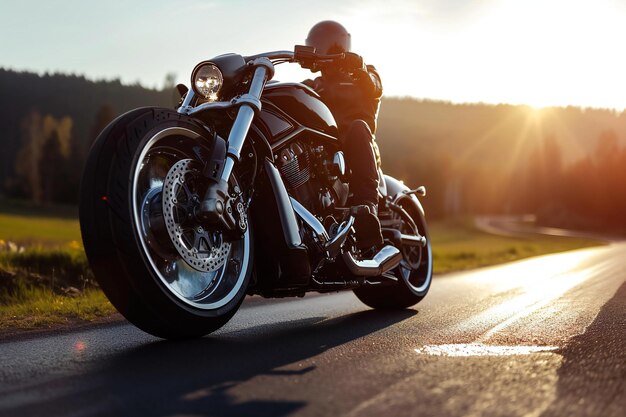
{"x":361,"y":159}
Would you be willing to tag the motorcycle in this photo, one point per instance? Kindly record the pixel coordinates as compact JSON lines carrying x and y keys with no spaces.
{"x":240,"y":190}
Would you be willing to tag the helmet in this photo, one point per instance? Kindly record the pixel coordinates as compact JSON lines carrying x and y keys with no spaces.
{"x":329,"y":37}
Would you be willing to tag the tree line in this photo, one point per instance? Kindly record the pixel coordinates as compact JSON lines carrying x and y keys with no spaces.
{"x":567,"y":165}
{"x":48,"y":124}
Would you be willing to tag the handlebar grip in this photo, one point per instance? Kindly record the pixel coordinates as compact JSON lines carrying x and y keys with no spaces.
{"x":308,"y":58}
{"x":304,"y":54}
{"x":351,"y":61}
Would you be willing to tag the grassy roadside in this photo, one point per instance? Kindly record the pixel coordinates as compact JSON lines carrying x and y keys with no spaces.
{"x":45,"y":281}
{"x":37,"y":308}
{"x":458,"y":245}
{"x":27,"y":224}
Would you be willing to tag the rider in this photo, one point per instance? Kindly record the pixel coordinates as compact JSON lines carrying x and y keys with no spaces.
{"x":352,"y":91}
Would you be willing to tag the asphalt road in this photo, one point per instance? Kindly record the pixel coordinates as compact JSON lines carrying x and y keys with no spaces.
{"x":541,"y":337}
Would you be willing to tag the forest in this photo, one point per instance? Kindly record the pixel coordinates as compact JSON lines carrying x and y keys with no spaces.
{"x":565,"y":165}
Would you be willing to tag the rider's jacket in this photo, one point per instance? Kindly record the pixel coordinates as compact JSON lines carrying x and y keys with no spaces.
{"x":350,"y":96}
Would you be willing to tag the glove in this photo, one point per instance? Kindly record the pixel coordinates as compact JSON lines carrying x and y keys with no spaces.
{"x":351,"y":62}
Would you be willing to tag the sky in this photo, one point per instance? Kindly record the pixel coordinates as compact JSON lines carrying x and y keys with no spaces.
{"x":535,"y":52}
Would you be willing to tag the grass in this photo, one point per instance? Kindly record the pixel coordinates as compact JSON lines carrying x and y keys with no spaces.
{"x":48,"y":283}
{"x":48,"y":287}
{"x":41,"y":262}
{"x":35,"y":308}
{"x":458,"y":245}
{"x":67,"y":265}
{"x":44,"y":230}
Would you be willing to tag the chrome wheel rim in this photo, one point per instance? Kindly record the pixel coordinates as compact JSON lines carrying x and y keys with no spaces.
{"x":415,"y":269}
{"x":215,"y":279}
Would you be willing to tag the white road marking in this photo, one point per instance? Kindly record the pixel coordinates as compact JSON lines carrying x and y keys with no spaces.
{"x":479,"y":349}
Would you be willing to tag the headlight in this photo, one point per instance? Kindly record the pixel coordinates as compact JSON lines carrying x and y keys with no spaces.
{"x":206,"y":81}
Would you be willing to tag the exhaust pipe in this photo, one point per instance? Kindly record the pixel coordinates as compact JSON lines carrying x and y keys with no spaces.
{"x":387,"y":258}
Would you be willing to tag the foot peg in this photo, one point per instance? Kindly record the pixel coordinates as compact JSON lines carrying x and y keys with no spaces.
{"x":385,"y":259}
{"x":413,"y":241}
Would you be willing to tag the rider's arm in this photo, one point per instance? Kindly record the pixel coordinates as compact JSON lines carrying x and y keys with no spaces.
{"x":369,"y":79}
{"x":314,"y":84}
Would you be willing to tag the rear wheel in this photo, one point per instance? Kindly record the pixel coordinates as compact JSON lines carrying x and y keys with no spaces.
{"x":414,"y":274}
{"x":165,"y":272}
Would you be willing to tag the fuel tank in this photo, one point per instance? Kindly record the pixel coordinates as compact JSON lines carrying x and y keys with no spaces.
{"x":290,"y":108}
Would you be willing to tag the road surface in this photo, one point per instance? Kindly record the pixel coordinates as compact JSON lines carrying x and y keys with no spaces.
{"x":539,"y":337}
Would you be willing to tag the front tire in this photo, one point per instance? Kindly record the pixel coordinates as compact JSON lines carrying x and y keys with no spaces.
{"x":146,"y":268}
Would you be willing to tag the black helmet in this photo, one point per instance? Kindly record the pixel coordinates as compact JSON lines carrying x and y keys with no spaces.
{"x":328,"y":38}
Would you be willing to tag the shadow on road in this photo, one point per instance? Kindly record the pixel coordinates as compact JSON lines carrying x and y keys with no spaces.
{"x":194,"y":377}
{"x":592,"y":377}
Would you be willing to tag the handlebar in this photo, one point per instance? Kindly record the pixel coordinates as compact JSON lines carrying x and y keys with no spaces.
{"x":271,"y":55}
{"x":308,"y":58}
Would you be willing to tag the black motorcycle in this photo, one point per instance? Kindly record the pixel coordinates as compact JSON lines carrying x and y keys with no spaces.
{"x":240,"y":190}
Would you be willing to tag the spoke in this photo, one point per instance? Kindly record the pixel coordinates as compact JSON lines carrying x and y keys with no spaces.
{"x":185,"y":188}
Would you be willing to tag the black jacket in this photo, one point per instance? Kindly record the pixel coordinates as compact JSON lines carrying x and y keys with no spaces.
{"x":350,"y":96}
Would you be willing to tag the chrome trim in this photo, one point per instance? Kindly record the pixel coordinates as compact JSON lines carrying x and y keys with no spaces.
{"x":237,"y":135}
{"x":395,"y":193}
{"x":271,"y":55}
{"x":247,"y":242}
{"x":413,"y":241}
{"x":265,"y":63}
{"x":216,"y":105}
{"x":340,"y":162}
{"x":334,"y":245}
{"x":248,"y":99}
{"x":310,"y":220}
{"x":185,"y":108}
{"x":286,"y":209}
{"x":387,"y":258}
{"x":243,"y":121}
{"x":389,"y":277}
{"x":296,"y":132}
{"x":421,"y":191}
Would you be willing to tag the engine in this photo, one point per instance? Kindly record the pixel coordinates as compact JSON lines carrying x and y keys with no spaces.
{"x":312,"y":176}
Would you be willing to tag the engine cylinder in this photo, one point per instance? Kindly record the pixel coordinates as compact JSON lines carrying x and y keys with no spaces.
{"x":294,"y":165}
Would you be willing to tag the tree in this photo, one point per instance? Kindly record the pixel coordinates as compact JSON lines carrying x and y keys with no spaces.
{"x":27,"y":181}
{"x":41,"y":166}
{"x":51,"y":167}
{"x":104,"y":116}
{"x":169,"y":85}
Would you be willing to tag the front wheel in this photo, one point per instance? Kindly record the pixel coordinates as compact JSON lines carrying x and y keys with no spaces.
{"x":165,"y":272}
{"x":414,"y":274}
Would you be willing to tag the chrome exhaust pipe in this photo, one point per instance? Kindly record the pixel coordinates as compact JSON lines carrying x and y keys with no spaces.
{"x":387,"y":258}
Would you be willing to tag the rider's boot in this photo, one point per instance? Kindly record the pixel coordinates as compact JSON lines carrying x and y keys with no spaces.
{"x":367,"y":226}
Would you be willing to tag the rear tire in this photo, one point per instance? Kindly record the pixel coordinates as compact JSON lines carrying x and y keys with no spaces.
{"x":125,"y":267}
{"x":413,"y":283}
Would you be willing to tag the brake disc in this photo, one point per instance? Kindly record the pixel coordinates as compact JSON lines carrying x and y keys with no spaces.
{"x":201,"y":249}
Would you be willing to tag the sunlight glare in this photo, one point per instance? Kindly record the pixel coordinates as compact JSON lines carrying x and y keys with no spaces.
{"x":538,"y":53}
{"x":479,"y":349}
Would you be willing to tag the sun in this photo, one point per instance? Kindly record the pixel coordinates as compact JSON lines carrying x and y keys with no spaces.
{"x":536,"y":113}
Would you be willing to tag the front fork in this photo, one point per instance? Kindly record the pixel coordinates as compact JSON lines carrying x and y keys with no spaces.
{"x":218,"y":207}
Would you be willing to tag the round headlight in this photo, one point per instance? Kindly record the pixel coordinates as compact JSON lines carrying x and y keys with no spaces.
{"x":207,"y":80}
